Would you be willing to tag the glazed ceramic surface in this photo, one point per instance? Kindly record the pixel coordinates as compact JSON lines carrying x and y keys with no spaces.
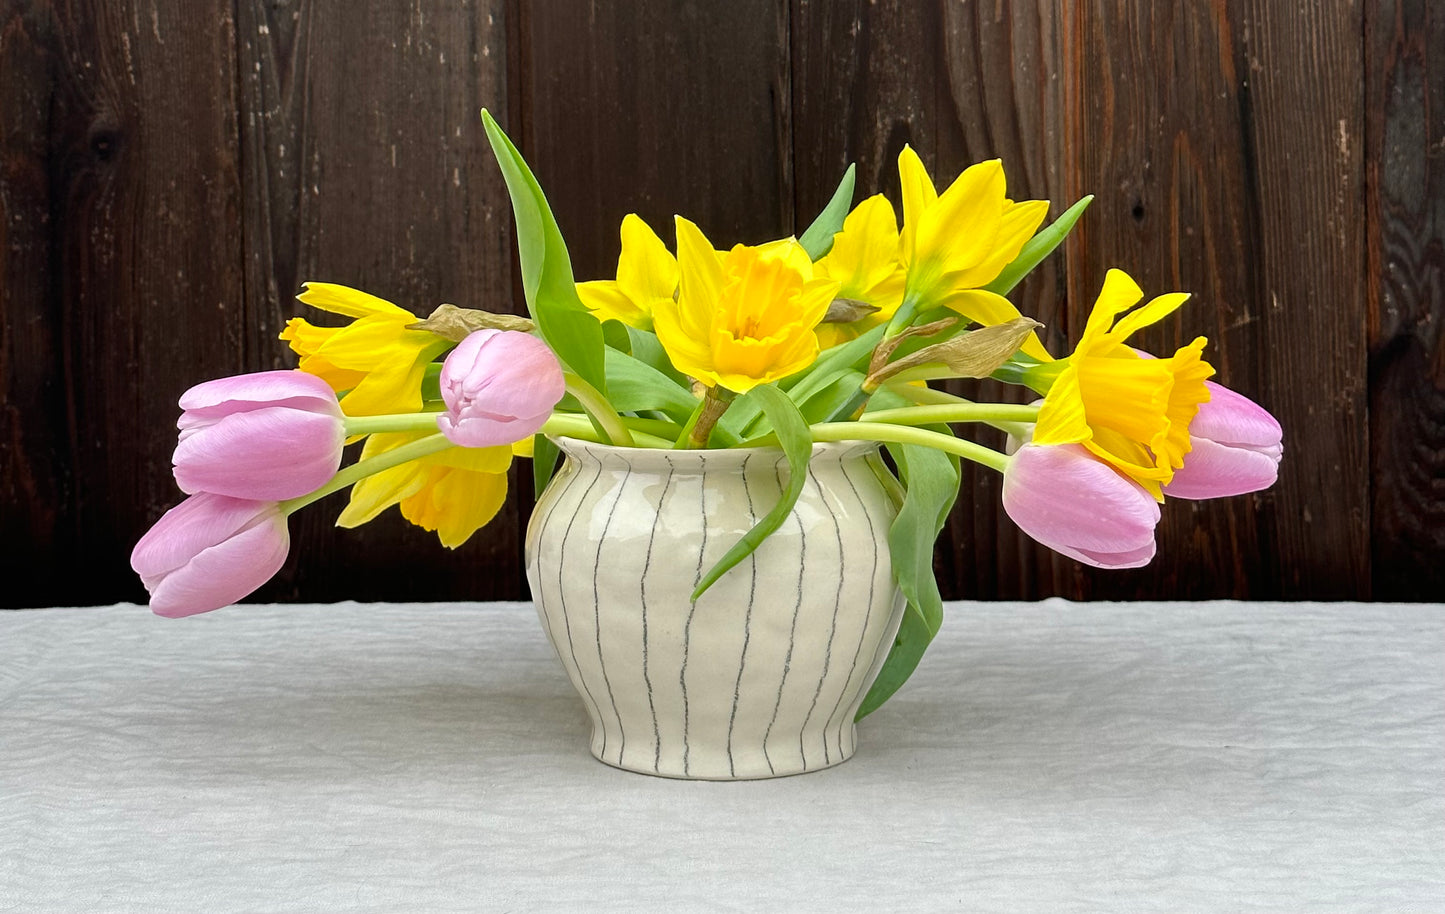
{"x":763,"y":675}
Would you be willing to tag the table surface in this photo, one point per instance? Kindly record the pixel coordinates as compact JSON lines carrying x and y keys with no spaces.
{"x":1046,"y":756}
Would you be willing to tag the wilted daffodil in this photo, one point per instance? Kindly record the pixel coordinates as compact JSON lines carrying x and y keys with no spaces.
{"x":1131,"y":412}
{"x":955,"y":243}
{"x":746,"y":318}
{"x":864,"y":259}
{"x":375,"y":357}
{"x":646,"y":274}
{"x":453,"y":492}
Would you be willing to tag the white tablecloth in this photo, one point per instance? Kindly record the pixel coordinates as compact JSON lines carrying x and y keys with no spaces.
{"x":1048,"y":757}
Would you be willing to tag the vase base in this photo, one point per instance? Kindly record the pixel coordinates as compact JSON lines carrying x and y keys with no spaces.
{"x":743,"y":765}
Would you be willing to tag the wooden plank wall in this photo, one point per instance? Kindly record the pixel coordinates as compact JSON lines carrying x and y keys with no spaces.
{"x":171,"y":170}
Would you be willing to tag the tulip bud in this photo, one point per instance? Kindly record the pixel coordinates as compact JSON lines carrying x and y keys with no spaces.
{"x":208,"y":552}
{"x":266,"y":436}
{"x":499,"y":387}
{"x":1077,"y":505}
{"x":1236,"y":448}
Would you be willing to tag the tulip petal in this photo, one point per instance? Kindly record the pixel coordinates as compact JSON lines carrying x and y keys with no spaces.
{"x":499,"y":387}
{"x":1079,"y":506}
{"x":210,"y":551}
{"x":1214,"y":470}
{"x":224,"y":573}
{"x":266,"y":454}
{"x":1234,"y":419}
{"x":227,"y":395}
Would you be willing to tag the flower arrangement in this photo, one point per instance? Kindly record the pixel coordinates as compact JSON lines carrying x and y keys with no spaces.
{"x":830,"y":336}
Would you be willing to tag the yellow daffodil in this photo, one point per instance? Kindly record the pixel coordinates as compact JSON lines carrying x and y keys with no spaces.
{"x":745,"y":318}
{"x":453,"y":492}
{"x":956,"y":243}
{"x":864,"y":260}
{"x":646,"y":274}
{"x":1132,"y":412}
{"x":375,"y":358}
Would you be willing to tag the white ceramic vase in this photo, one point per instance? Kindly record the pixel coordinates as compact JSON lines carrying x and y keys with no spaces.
{"x":762,"y":677}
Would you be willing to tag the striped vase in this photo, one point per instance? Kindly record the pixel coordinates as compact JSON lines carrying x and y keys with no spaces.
{"x":761,"y":677}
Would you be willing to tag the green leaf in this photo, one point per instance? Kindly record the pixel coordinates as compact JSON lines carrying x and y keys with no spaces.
{"x":818,"y":239}
{"x":647,"y":348}
{"x":797,"y":442}
{"x":562,"y":320}
{"x":615,"y":335}
{"x":635,"y":385}
{"x":931,"y":478}
{"x":821,"y":406}
{"x":1038,"y":247}
{"x":908,"y":648}
{"x":544,"y":463}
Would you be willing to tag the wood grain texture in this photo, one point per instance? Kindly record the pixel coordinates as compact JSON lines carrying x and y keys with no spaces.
{"x":138,"y":287}
{"x":366,"y":164}
{"x":660,"y":109}
{"x":1222,"y":184}
{"x":960,"y":83}
{"x":1308,"y":141}
{"x":171,"y":172}
{"x":1405,"y":105}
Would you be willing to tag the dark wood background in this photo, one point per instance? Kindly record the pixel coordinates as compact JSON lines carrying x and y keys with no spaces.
{"x":172,"y":170}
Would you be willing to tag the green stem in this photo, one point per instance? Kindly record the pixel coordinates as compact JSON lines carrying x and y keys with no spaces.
{"x":399,"y":422}
{"x":599,"y":410}
{"x":571,"y":425}
{"x":904,"y":434}
{"x":371,"y":465}
{"x":714,"y":404}
{"x":955,"y":412}
{"x":902,"y":317}
{"x":927,"y":396}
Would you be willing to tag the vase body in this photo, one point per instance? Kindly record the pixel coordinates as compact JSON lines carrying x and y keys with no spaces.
{"x":763,"y":675}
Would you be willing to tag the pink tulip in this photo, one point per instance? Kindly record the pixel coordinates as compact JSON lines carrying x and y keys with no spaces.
{"x":210,"y":551}
{"x":1077,"y":505}
{"x":265,"y":436}
{"x":499,"y":387}
{"x":1236,"y":448}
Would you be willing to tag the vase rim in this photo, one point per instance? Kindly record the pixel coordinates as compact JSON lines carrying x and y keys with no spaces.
{"x":830,"y":450}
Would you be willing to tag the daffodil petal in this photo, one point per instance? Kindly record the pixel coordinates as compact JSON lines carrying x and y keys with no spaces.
{"x":456,"y":504}
{"x":606,"y":300}
{"x":1062,"y":419}
{"x":646,"y":269}
{"x":699,"y":267}
{"x":1119,"y":294}
{"x":379,"y":491}
{"x":965,"y":221}
{"x":1153,"y":312}
{"x":918,"y":197}
{"x":339,"y":299}
{"x":990,"y":309}
{"x":1016,"y":226}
